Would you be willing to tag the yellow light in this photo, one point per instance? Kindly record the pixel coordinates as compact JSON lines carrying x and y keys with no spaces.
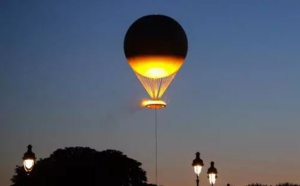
{"x":154,"y":104}
{"x":28,"y":164}
{"x":155,"y":87}
{"x":155,"y":66}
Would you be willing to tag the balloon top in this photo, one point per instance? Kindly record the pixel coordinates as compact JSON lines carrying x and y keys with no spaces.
{"x":155,"y":46}
{"x":155,"y":35}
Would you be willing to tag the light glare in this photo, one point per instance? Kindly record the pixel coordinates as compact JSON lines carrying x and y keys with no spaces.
{"x":154,"y":104}
{"x":212,"y":178}
{"x":197,"y":169}
{"x":28,"y":164}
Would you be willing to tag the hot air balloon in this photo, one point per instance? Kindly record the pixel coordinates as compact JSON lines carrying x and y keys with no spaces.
{"x":155,"y":47}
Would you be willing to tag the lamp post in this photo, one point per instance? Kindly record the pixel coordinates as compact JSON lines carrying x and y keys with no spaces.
{"x":197,"y":164}
{"x":28,"y":159}
{"x":212,"y":173}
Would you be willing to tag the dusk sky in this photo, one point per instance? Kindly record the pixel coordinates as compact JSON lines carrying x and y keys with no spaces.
{"x":64,"y":81}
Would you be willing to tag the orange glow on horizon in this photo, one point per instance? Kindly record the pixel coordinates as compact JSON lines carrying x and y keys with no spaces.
{"x":155,"y":66}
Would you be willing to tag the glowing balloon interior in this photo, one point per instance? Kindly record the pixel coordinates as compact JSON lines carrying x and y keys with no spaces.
{"x":155,"y":66}
{"x":155,"y":47}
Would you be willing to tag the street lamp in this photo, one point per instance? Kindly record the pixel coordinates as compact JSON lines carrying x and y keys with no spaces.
{"x":28,"y":159}
{"x":212,"y":173}
{"x":197,"y":164}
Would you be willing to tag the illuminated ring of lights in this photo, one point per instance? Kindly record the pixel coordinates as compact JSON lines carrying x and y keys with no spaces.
{"x":154,"y":104}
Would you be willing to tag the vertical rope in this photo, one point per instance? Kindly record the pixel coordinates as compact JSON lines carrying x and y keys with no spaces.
{"x":155,"y":146}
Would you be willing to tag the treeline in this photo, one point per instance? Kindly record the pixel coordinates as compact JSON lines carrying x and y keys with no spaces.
{"x":279,"y":184}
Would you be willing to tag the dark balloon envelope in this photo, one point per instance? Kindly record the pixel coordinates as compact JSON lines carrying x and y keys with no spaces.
{"x":155,"y":35}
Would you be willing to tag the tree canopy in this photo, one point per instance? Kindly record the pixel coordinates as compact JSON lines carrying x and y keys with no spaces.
{"x":257,"y":184}
{"x":287,"y":184}
{"x":279,"y":184}
{"x":83,"y":166}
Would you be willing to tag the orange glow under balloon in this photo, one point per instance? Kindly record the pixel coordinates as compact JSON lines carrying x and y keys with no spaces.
{"x":154,"y":104}
{"x":155,"y":66}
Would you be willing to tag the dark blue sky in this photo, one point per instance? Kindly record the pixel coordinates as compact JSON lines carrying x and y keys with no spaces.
{"x":64,"y":81}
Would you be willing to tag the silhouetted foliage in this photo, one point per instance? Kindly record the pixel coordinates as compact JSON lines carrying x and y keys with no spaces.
{"x":257,"y":184}
{"x":83,"y":166}
{"x":287,"y":184}
{"x":280,"y":184}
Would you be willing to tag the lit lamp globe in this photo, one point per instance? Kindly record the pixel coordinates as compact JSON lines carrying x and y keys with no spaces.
{"x":28,"y":159}
{"x":212,"y":173}
{"x":197,"y":164}
{"x":155,"y":47}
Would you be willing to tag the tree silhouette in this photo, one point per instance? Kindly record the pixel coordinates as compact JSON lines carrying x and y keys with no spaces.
{"x":257,"y":184}
{"x":83,"y":166}
{"x":287,"y":184}
{"x":280,"y":184}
